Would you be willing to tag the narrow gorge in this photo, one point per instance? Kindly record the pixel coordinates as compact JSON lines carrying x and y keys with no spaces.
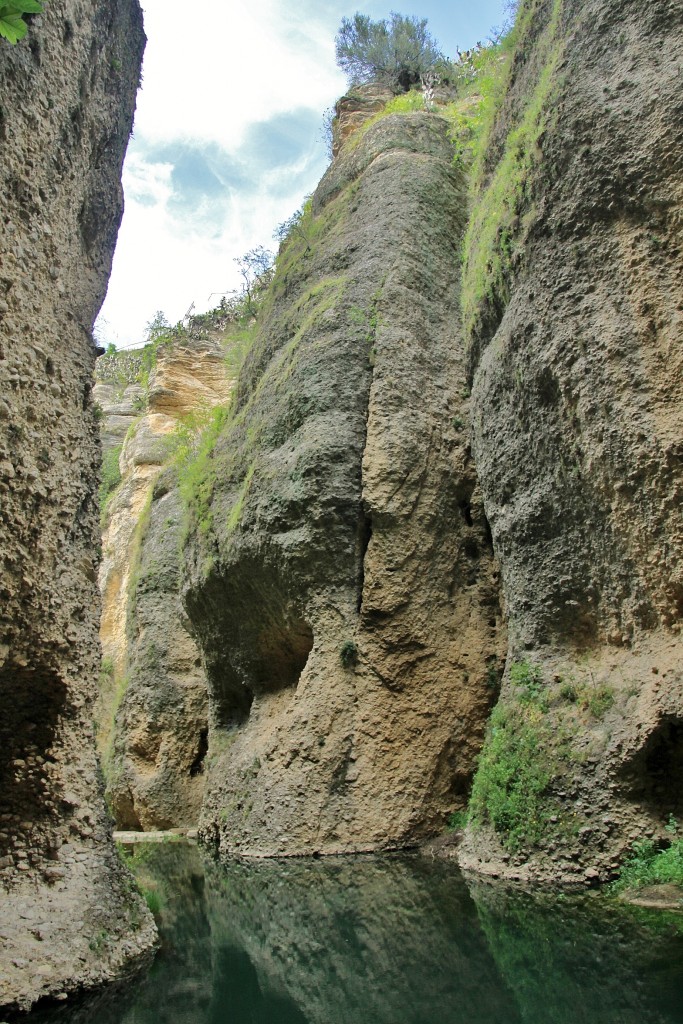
{"x":391,"y":545}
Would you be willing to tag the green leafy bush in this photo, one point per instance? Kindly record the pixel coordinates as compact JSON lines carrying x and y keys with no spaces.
{"x":512,"y":777}
{"x":647,"y":864}
{"x":528,"y":677}
{"x":456,"y":821}
{"x":12,"y":24}
{"x":110,"y":478}
{"x":395,"y":52}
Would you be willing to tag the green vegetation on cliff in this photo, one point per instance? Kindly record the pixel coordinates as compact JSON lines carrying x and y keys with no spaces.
{"x":504,"y":198}
{"x":530,"y":756}
{"x":650,"y":864}
{"x":257,"y":427}
{"x":110,"y":478}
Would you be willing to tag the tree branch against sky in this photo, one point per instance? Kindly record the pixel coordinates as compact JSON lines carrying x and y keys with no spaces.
{"x":396,"y":51}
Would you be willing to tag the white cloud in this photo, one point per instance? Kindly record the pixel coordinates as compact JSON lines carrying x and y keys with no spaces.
{"x":232,"y":64}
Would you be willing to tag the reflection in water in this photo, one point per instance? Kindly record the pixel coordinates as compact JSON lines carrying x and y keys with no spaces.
{"x":385,"y":941}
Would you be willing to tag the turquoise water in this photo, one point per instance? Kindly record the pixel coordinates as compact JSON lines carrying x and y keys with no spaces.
{"x":385,"y":941}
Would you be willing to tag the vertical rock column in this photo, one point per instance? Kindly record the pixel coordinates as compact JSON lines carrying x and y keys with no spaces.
{"x":67,"y":95}
{"x":341,"y":581}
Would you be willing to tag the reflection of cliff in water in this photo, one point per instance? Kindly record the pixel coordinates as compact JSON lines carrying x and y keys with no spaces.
{"x":385,"y":941}
{"x":583,"y":961}
{"x":380,"y":941}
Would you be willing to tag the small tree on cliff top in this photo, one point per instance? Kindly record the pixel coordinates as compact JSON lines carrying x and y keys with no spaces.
{"x":395,"y":53}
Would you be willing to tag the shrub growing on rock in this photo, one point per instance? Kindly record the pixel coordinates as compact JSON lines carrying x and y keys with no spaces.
{"x":395,"y":53}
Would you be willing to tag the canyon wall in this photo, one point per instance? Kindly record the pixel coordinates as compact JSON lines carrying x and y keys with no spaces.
{"x":70,"y":915}
{"x":152,"y":713}
{"x":341,"y":581}
{"x":574,"y":307}
{"x":430,"y":470}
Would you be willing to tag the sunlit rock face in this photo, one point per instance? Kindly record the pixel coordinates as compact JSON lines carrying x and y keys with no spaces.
{"x":152,"y":712}
{"x":341,"y":582}
{"x":68,"y":94}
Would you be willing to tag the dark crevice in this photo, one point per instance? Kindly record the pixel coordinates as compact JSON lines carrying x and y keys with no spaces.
{"x":230,"y":697}
{"x":489,"y":535}
{"x":654,"y":777}
{"x":362,"y":543}
{"x":197,"y":766}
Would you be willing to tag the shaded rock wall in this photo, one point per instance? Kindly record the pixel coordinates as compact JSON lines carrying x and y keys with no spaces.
{"x":342,"y":584}
{"x":66,"y":103}
{"x":153,"y":707}
{"x":577,"y":412}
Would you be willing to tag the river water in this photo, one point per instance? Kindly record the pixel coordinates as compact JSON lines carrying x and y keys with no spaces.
{"x":394,"y":940}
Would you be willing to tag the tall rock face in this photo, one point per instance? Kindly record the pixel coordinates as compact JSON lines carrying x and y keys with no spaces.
{"x":67,"y":96}
{"x":152,"y":714}
{"x":341,"y":583}
{"x":575,"y":295}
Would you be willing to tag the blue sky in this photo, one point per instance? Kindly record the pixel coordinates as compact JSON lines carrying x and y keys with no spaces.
{"x":228,"y":140}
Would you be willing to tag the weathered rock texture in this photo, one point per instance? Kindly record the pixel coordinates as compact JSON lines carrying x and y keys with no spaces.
{"x":153,"y":708}
{"x":342,"y":584}
{"x":354,"y":109}
{"x":578,"y":417}
{"x":67,"y":97}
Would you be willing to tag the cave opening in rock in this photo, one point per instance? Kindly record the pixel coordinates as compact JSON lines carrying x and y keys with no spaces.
{"x":31,"y":704}
{"x":655,"y":774}
{"x":282,"y":656}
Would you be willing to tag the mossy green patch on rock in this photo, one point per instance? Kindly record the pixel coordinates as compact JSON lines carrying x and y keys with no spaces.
{"x":505,"y":204}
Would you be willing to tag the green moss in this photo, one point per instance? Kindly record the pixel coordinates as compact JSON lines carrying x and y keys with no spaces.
{"x":505,"y":206}
{"x":512,"y":779}
{"x":406,"y":103}
{"x":238,"y":507}
{"x":597,"y":699}
{"x":112,"y":696}
{"x":472,"y":114}
{"x":600,"y":700}
{"x":110,"y":478}
{"x":348,"y":654}
{"x":648,"y":864}
{"x":528,"y":678}
{"x":197,"y":437}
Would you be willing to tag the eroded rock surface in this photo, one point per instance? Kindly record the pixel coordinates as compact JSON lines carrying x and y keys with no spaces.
{"x":578,"y":420}
{"x":342,"y":585}
{"x":69,"y":916}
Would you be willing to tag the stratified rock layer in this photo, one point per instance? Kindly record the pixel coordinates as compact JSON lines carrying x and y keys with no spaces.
{"x":69,"y":917}
{"x":578,"y":421}
{"x":342,"y":586}
{"x":153,"y":705}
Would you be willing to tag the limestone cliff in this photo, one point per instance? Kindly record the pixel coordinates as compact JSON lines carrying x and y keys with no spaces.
{"x":405,"y":422}
{"x":67,"y":95}
{"x":573,"y":306}
{"x":341,"y":583}
{"x":152,"y":714}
